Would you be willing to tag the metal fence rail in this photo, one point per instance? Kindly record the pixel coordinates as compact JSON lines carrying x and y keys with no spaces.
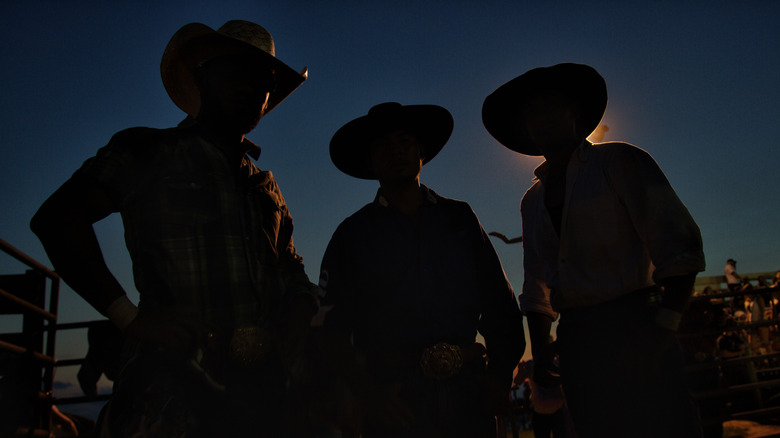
{"x":759,"y":370}
{"x":36,"y":342}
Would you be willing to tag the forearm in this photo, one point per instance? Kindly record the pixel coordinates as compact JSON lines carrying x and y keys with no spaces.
{"x":73,"y":249}
{"x":539,"y":328}
{"x":677,"y":291}
{"x":676,"y":294}
{"x":505,"y":347}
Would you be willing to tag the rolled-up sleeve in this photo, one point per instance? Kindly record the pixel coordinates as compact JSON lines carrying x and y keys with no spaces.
{"x":535,"y":296}
{"x":501,"y":322}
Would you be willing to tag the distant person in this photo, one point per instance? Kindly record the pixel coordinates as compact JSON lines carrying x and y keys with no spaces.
{"x":733,"y":280}
{"x":610,"y":247}
{"x":734,"y":343}
{"x":410,"y":279}
{"x":755,"y":308}
{"x":224,"y":300}
{"x":774,"y":295}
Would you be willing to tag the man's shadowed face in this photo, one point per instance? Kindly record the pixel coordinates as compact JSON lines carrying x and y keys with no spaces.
{"x":396,"y":157}
{"x":550,"y":120}
{"x":234,"y":91}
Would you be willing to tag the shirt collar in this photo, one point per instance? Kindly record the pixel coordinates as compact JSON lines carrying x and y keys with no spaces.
{"x":430,"y":196}
{"x":582,"y":153}
{"x":252,"y":149}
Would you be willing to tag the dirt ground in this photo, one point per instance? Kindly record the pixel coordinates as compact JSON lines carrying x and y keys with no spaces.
{"x":749,"y":429}
{"x":731,"y":429}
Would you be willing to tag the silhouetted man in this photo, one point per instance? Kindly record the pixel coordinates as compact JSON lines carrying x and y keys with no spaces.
{"x":411,"y":278}
{"x":224,"y":299}
{"x":609,"y":246}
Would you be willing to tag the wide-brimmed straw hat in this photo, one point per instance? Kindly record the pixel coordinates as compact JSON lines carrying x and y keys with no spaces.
{"x":578,"y":82}
{"x":351,"y":145}
{"x":196,"y":43}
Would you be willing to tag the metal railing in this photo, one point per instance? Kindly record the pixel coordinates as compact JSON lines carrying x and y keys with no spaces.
{"x":39,"y":326}
{"x":759,"y":386}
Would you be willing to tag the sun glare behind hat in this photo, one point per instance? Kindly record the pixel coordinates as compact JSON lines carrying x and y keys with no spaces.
{"x":351,"y":144}
{"x":579,"y":82}
{"x":196,"y":43}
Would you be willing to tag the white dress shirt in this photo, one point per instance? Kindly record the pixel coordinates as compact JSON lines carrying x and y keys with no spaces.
{"x":623,"y":228}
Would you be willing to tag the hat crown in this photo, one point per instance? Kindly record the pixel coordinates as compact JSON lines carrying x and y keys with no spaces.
{"x":578,"y":82}
{"x":249,"y":33}
{"x":195,"y":43}
{"x":385,"y":109}
{"x":349,"y":147}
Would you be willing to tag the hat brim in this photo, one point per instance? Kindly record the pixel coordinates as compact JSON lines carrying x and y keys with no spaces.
{"x":196,"y":43}
{"x":351,"y":145}
{"x":501,"y":111}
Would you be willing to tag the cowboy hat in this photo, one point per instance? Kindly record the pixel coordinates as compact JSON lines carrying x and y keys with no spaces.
{"x":351,"y":144}
{"x":578,"y":82}
{"x":196,"y":43}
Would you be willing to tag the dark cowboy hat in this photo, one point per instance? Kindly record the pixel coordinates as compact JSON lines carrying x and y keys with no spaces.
{"x":350,"y":145}
{"x":196,"y":43}
{"x":578,"y":82}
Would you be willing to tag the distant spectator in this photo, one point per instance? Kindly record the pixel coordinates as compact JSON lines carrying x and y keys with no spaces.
{"x":733,"y":279}
{"x":776,"y":282}
{"x":755,"y":307}
{"x":770,"y":299}
{"x":733,"y":342}
{"x":774,"y":296}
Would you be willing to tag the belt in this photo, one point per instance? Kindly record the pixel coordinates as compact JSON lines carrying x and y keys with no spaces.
{"x":444,"y":361}
{"x":250,"y":346}
{"x":645,"y":298}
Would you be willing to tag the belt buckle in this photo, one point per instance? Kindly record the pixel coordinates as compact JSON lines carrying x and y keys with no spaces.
{"x":249,"y":346}
{"x":442,"y":361}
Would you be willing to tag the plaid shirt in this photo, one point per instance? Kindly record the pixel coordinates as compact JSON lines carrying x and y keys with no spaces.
{"x":201,"y":232}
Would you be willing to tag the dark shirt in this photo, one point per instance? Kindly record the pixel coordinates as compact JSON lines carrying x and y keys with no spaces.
{"x":400,"y":282}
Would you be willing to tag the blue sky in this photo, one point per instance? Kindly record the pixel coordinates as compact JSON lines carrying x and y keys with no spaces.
{"x":694,"y":83}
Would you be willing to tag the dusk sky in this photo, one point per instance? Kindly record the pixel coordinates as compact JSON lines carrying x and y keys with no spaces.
{"x":694,"y":83}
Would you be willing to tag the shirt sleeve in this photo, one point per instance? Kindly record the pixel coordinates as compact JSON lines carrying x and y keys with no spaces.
{"x":662,"y":221}
{"x":296,"y":282}
{"x":501,"y":323}
{"x":334,"y":311}
{"x":116,"y":166}
{"x":535,"y":296}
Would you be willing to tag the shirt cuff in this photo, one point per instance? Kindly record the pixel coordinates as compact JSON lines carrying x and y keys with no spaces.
{"x":121,"y":312}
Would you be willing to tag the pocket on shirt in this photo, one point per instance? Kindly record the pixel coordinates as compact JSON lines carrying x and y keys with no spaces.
{"x":190,"y":202}
{"x":177,"y":206}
